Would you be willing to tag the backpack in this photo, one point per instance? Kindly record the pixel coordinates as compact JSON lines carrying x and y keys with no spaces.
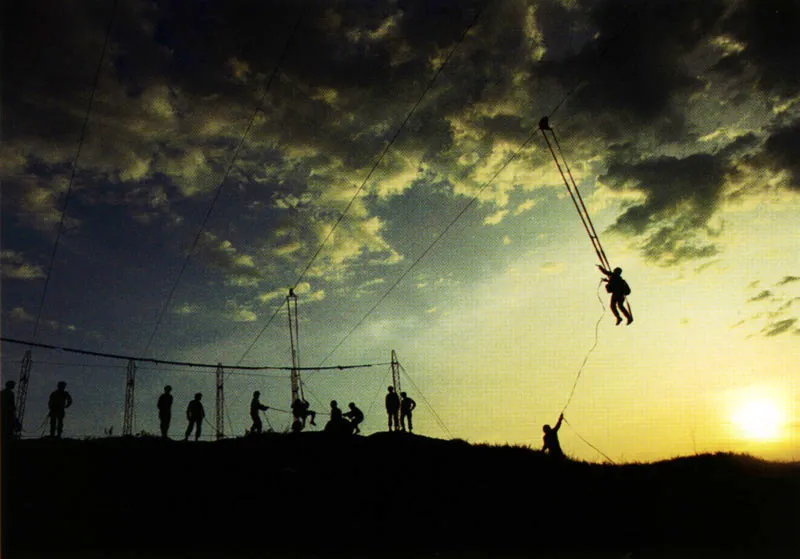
{"x":626,"y":289}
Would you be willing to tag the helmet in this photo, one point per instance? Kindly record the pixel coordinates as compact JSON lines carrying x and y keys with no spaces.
{"x":62,"y":384}
{"x":256,"y":393}
{"x":617,"y":270}
{"x":167,"y":388}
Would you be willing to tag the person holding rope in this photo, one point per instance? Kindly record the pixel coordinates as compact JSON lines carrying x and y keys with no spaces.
{"x":255,"y":408}
{"x":355,"y":415}
{"x":551,"y":445}
{"x":300,"y":410}
{"x":618,"y":288}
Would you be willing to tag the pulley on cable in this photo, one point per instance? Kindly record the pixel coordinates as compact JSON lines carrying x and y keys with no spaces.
{"x":615,"y":285}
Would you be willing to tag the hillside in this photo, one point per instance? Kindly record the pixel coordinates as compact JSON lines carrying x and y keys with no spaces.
{"x":316,"y":495}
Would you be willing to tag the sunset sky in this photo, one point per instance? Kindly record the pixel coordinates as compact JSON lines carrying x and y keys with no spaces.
{"x":683,"y":133}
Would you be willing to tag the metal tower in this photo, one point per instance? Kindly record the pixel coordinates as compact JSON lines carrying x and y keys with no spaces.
{"x":294,"y":340}
{"x":395,"y":373}
{"x":130,"y":382}
{"x":22,"y":390}
{"x":220,"y":403}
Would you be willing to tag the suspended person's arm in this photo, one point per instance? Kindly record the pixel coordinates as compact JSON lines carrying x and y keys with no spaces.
{"x":606,"y":272}
{"x":558,"y":424}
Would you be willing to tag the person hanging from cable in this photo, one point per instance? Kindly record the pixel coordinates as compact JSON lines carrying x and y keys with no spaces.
{"x":300,"y":410}
{"x":195,"y":414}
{"x":618,"y":288}
{"x":255,"y":408}
{"x":393,"y":408}
{"x":356,"y":416}
{"x":407,"y":405}
{"x":551,"y":445}
{"x":165,"y":410}
{"x":59,"y":401}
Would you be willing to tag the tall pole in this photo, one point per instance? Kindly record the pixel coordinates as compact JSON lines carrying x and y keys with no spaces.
{"x":130,"y":382}
{"x":220,"y":403}
{"x":294,"y":340}
{"x":395,"y":373}
{"x":22,"y":390}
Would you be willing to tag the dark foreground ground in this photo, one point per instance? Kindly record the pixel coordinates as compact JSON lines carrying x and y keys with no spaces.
{"x":386,"y":496}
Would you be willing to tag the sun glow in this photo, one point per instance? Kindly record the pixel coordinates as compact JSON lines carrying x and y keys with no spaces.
{"x":758,"y":420}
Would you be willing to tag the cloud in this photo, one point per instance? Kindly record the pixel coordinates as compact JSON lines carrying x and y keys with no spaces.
{"x":239,"y":313}
{"x":779,"y":327}
{"x":14,"y":266}
{"x":788,"y":279}
{"x":673,"y":223}
{"x":552,"y":267}
{"x":764,"y":295}
{"x":239,"y":269}
{"x":782,"y":153}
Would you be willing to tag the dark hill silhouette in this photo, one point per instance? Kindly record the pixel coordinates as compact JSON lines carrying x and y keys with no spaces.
{"x":317,"y":495}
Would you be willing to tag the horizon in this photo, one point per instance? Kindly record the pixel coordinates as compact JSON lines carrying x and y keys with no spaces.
{"x":374,"y":158}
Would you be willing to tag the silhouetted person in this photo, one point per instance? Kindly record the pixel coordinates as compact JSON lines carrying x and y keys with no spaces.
{"x":618,"y":288}
{"x":338,"y":424}
{"x":195,"y":414}
{"x":407,"y":405}
{"x":300,"y":410}
{"x":8,"y":413}
{"x":255,"y":408}
{"x":59,"y":401}
{"x":392,"y":408}
{"x":355,"y":415}
{"x":551,"y":444}
{"x":165,"y":410}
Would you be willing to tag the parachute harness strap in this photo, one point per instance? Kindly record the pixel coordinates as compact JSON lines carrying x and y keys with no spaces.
{"x":574,"y":192}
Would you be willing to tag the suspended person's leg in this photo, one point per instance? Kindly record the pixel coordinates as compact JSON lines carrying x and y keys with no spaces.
{"x":625,"y":311}
{"x":614,"y":304}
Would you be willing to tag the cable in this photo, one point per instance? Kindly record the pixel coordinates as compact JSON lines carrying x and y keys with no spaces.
{"x":585,"y":359}
{"x":222,"y":182}
{"x":180,"y":363}
{"x":421,"y":395}
{"x":374,"y":167}
{"x":74,"y":169}
{"x":588,"y":443}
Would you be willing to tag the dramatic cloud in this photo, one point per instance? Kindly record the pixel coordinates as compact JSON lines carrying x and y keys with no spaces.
{"x":680,"y":196}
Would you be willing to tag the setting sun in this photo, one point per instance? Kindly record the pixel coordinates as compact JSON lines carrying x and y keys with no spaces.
{"x":758,"y":420}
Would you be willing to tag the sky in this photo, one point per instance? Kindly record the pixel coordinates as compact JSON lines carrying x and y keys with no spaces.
{"x":190,"y":162}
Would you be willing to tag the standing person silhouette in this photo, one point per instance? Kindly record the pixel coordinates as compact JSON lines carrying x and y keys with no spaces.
{"x":8,"y":411}
{"x":255,"y":408}
{"x":551,"y":444}
{"x":165,"y":410}
{"x":195,"y":414}
{"x":392,"y":408}
{"x":59,"y":401}
{"x":407,"y":405}
{"x":618,"y":288}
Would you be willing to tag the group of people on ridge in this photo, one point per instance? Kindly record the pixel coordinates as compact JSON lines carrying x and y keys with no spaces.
{"x":58,"y":402}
